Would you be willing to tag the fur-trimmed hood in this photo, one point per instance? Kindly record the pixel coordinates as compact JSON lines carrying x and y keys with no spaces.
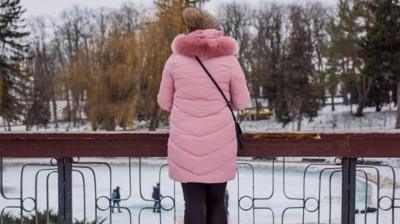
{"x":205,"y":43}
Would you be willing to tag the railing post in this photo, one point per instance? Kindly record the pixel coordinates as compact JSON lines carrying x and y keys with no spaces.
{"x":64,"y":190}
{"x":348,"y":190}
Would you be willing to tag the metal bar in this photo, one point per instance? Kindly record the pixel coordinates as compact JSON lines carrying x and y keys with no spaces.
{"x":64,"y":190}
{"x":132,"y":144}
{"x":348,"y":190}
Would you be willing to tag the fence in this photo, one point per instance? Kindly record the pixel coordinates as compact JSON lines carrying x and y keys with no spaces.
{"x":274,"y":151}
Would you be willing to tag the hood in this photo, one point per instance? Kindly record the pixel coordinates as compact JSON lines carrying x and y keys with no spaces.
{"x":204,"y":43}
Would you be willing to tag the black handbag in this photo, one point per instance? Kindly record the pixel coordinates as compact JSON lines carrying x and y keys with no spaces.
{"x":239,"y":132}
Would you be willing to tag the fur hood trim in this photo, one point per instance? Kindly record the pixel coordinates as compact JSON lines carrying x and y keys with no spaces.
{"x":205,"y":43}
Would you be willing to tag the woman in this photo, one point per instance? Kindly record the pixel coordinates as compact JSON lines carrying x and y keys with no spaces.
{"x":202,"y":143}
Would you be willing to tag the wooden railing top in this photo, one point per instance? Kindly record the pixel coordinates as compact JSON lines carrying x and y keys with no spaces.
{"x":148,"y":144}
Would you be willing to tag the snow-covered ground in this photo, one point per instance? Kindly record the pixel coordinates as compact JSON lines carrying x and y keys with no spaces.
{"x":339,"y":120}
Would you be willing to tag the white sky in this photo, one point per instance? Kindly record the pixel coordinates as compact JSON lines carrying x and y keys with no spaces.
{"x":55,"y":7}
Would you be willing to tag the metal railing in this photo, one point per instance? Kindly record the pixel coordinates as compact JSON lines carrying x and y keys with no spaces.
{"x":66,"y":153}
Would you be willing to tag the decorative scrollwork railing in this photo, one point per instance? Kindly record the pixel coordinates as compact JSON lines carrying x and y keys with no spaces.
{"x":66,"y":177}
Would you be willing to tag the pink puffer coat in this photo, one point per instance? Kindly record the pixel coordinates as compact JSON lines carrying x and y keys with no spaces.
{"x":202,"y":141}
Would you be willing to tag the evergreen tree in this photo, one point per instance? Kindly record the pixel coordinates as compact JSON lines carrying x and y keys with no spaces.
{"x":301,"y":90}
{"x":273,"y":79}
{"x":344,"y":60}
{"x":381,"y":46}
{"x":379,"y":93}
{"x":12,"y":78}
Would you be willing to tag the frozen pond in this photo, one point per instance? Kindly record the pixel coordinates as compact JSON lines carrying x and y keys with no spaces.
{"x":278,"y":194}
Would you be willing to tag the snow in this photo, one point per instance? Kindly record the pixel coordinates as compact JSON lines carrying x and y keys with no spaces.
{"x":267,"y":184}
{"x":339,"y":120}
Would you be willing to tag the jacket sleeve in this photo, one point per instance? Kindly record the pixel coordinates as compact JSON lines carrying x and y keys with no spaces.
{"x":240,"y":96}
{"x":166,"y":91}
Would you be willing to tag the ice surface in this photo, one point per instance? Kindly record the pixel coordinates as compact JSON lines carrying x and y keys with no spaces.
{"x":266,"y":184}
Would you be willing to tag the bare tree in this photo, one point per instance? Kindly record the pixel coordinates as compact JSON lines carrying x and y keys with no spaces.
{"x":44,"y":69}
{"x":267,"y":51}
{"x":237,"y":21}
{"x":77,"y":31}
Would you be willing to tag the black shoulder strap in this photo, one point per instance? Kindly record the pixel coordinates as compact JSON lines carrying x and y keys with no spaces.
{"x":219,"y":88}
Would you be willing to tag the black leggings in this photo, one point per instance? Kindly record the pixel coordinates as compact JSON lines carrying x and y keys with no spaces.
{"x":204,"y":203}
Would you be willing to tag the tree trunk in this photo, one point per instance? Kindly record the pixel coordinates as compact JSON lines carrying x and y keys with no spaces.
{"x":109,"y":124}
{"x":360,"y":107}
{"x":299,"y":123}
{"x":75,"y":108}
{"x":4,"y":124}
{"x":332,"y":102}
{"x":68,"y":106}
{"x":361,"y":102}
{"x":299,"y":119}
{"x":54,"y":105}
{"x":155,"y":119}
{"x":363,"y":90}
{"x":8,"y":125}
{"x":257,"y":108}
{"x":398,"y":106}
